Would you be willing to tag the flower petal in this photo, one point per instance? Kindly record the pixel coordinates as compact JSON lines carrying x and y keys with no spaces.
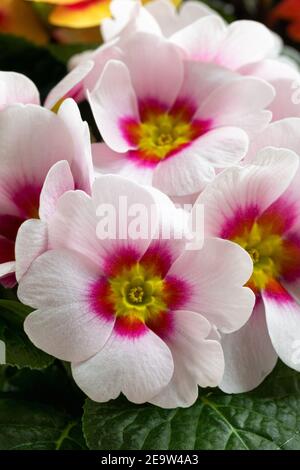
{"x":113,"y":100}
{"x":138,"y":367}
{"x":57,"y":182}
{"x":246,"y":191}
{"x":215,"y":276}
{"x":158,"y":76}
{"x":17,"y":88}
{"x":65,"y":324}
{"x":249,"y":354}
{"x":246,"y":42}
{"x":201,"y":39}
{"x":71,"y":86}
{"x":283,"y":320}
{"x":197,"y":361}
{"x":31,"y":242}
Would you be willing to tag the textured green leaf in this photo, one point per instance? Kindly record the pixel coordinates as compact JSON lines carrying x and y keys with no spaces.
{"x":20,"y":351}
{"x":26,"y":425}
{"x":268,"y":418}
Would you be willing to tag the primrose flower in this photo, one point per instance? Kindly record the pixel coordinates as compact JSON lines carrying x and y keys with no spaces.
{"x":42,"y":155}
{"x":134,"y":314}
{"x":257,"y":206}
{"x":171,"y":123}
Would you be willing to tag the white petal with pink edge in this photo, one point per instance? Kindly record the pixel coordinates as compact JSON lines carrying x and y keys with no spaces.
{"x":283,"y":320}
{"x":112,"y":101}
{"x":197,"y":361}
{"x":215,"y":276}
{"x":65,"y":324}
{"x":249,"y":354}
{"x":138,"y":367}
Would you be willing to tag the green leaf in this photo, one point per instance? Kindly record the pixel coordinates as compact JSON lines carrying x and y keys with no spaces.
{"x":27,"y":425}
{"x":268,"y":418}
{"x":20,"y":351}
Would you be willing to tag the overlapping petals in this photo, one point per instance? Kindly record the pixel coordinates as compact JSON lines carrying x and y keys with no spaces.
{"x":101,"y":318}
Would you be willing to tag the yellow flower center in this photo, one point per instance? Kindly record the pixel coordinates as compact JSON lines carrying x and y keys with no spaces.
{"x":161,"y":134}
{"x":138,"y":292}
{"x":267,"y":252}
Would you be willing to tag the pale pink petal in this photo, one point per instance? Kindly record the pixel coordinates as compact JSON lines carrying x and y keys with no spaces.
{"x":270,"y":70}
{"x":287,"y":100}
{"x":127,"y":19}
{"x":71,"y":86}
{"x":138,"y":367}
{"x":185,"y":173}
{"x":200,"y":80}
{"x":215,"y":283}
{"x":74,"y":226}
{"x":31,"y":242}
{"x":171,"y":20}
{"x":107,"y":161}
{"x":65,"y":323}
{"x":129,"y":200}
{"x":197,"y":361}
{"x":221,"y":147}
{"x":249,"y":354}
{"x":201,"y":39}
{"x":79,"y":138}
{"x":282,"y":134}
{"x":100,"y":57}
{"x":235,"y":100}
{"x":247,"y":191}
{"x":156,"y":75}
{"x":283,"y":320}
{"x":32,"y":140}
{"x":112,"y":101}
{"x":17,"y":88}
{"x":247,"y":41}
{"x":57,"y":182}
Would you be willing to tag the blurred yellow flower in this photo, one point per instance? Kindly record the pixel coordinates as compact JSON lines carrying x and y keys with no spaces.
{"x":81,"y":13}
{"x":17,"y":17}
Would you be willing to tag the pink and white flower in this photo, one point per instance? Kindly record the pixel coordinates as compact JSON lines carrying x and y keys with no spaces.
{"x":171,"y":123}
{"x":134,"y":315}
{"x":42,"y":155}
{"x":17,"y":88}
{"x":258,"y":207}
